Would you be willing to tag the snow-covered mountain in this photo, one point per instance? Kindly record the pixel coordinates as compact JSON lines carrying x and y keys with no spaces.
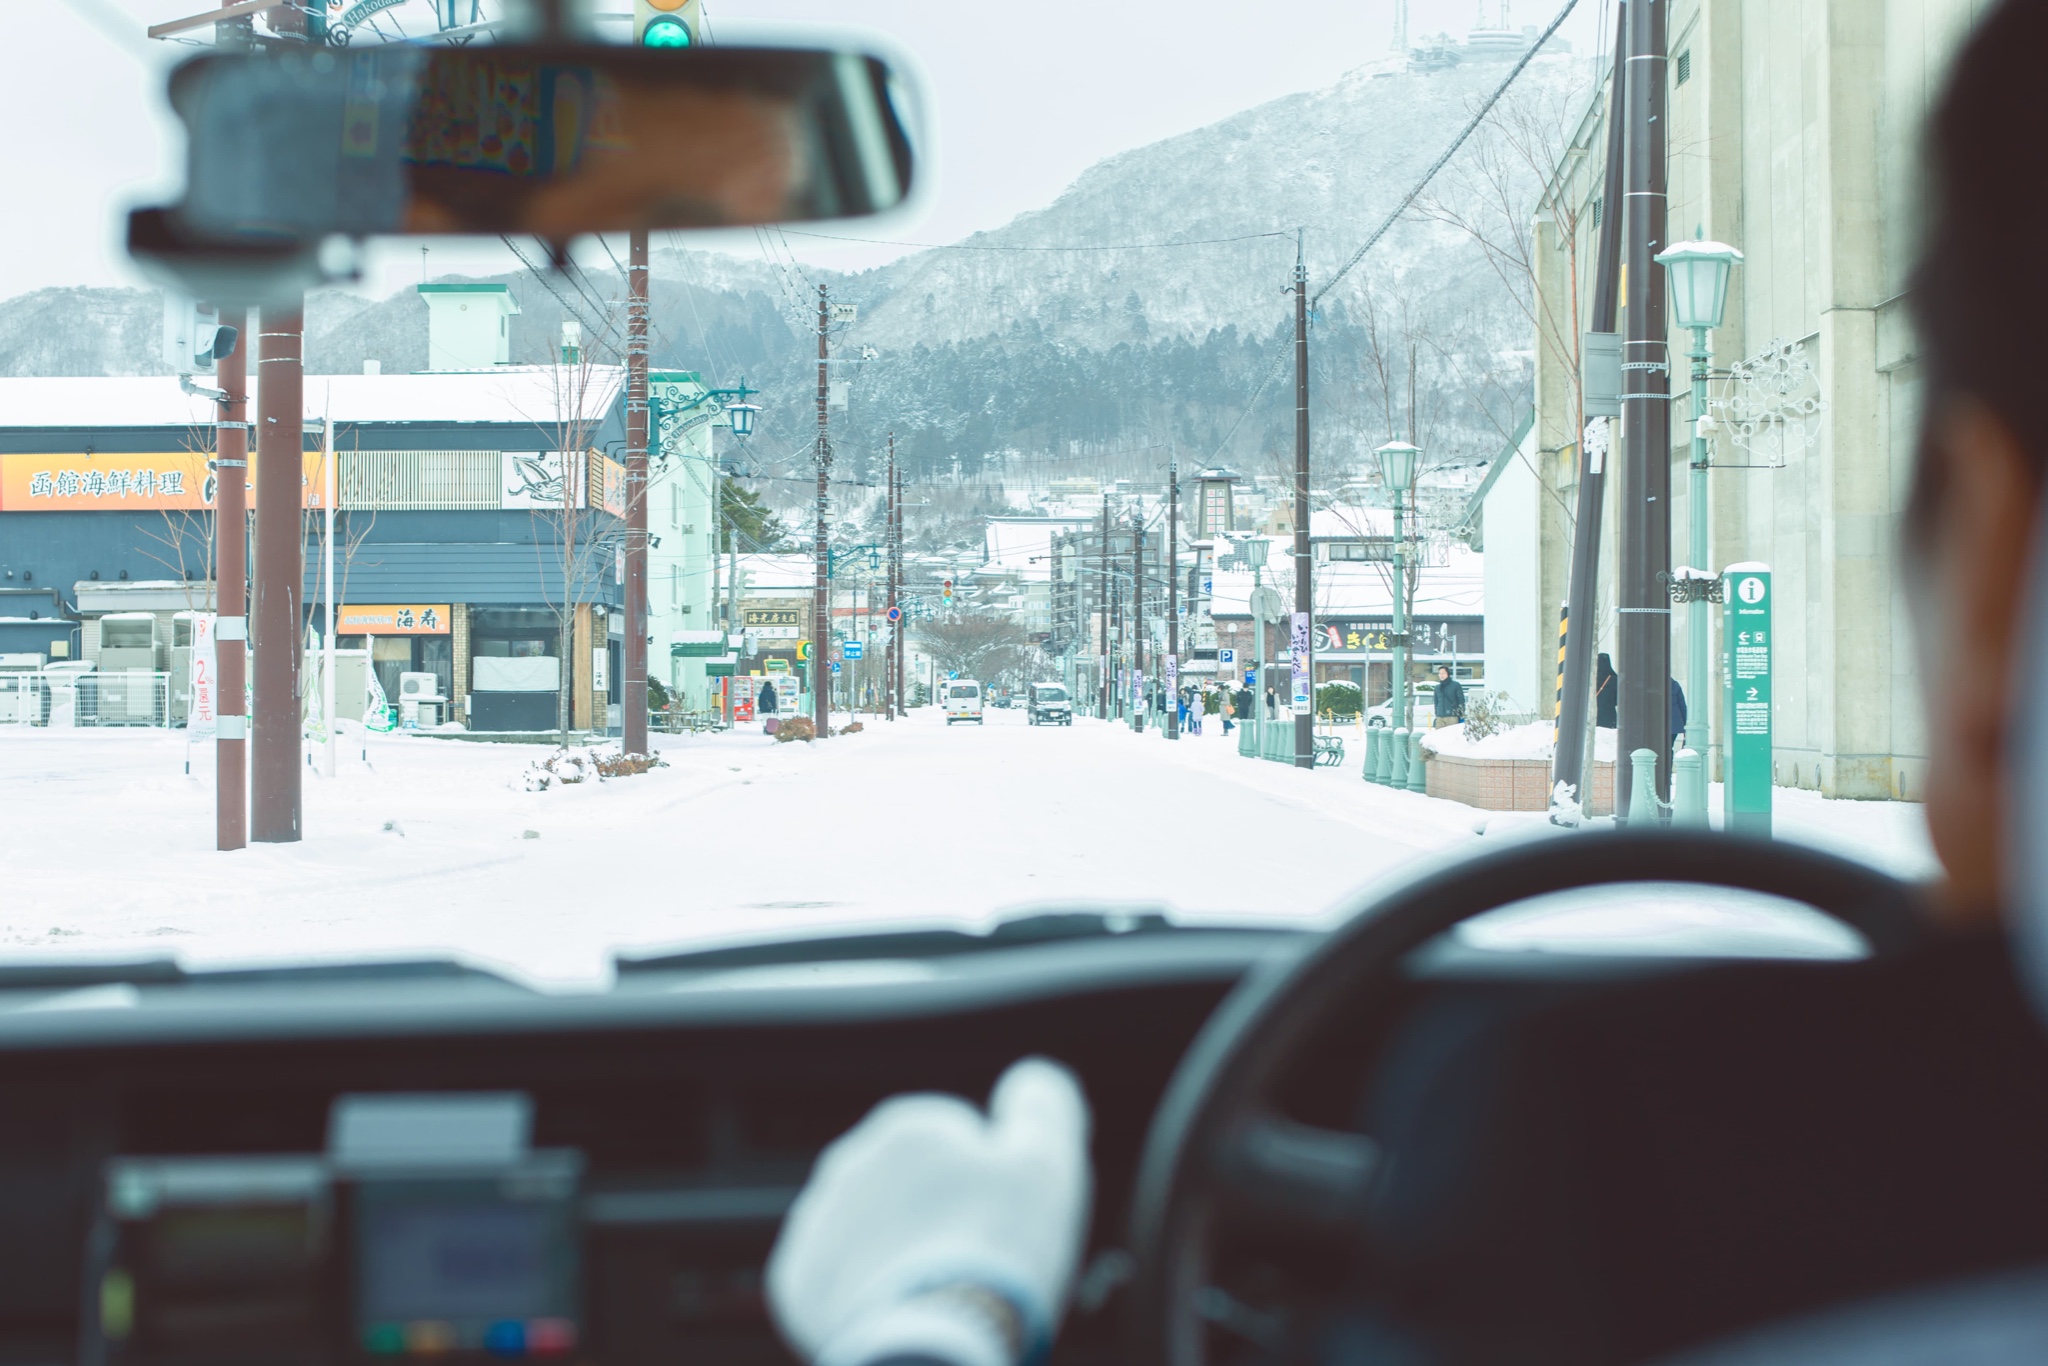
{"x":1140,"y":313}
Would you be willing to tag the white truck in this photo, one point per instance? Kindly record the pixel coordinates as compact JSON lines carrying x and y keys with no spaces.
{"x":962,"y":699}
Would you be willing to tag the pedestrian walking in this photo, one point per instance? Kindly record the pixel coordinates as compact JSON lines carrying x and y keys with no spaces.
{"x":1677,"y":717}
{"x":1606,"y":694}
{"x":1272,"y":707}
{"x":1450,"y":699}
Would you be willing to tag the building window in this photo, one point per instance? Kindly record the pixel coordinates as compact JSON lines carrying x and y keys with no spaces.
{"x":1598,"y":206}
{"x":1685,"y":66}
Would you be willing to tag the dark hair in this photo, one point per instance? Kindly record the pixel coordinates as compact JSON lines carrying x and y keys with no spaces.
{"x":1980,"y":292}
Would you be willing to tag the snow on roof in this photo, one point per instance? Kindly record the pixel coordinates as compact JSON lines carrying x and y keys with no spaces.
{"x":504,"y":394}
{"x":1023,"y":545}
{"x":1351,"y":520}
{"x":1362,"y":588}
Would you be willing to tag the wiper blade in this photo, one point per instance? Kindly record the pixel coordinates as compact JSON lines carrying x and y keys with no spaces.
{"x":1042,"y":927}
{"x":150,"y":972}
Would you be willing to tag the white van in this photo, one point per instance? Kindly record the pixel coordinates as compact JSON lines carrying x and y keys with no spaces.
{"x":962,"y":697}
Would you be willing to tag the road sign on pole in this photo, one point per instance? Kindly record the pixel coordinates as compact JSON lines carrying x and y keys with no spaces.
{"x":1226,"y":659}
{"x":835,"y":666}
{"x":1303,"y":702}
{"x":852,"y":649}
{"x":895,"y":614}
{"x":1746,"y":697}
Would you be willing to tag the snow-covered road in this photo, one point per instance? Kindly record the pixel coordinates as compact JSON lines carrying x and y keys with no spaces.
{"x":106,"y":846}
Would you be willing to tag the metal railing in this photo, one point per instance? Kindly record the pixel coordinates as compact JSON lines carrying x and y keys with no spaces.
{"x":127,"y":697}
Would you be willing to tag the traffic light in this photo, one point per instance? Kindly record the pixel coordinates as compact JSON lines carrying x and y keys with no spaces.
{"x":667,"y":23}
{"x":193,"y":337}
{"x":947,"y":590}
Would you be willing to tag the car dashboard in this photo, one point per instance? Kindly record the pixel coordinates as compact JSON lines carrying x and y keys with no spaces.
{"x":430,"y":1162}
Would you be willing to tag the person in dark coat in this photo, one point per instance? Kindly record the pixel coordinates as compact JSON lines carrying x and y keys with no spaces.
{"x":764,"y":702}
{"x":1606,"y":694}
{"x":1677,"y":717}
{"x":1450,"y":699}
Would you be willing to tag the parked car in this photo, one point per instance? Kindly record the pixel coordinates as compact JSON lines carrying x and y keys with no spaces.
{"x":1422,"y":699}
{"x":962,"y":698}
{"x":1049,"y":705}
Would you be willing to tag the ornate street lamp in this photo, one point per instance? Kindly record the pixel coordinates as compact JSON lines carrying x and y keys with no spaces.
{"x":1698,"y":271}
{"x":1398,"y":460}
{"x":741,"y":416}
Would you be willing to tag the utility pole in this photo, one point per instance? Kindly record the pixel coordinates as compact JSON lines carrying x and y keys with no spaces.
{"x":821,"y":600}
{"x":1173,"y":595}
{"x":633,"y":687}
{"x":231,"y":633}
{"x":902,"y":644}
{"x":1138,"y":617}
{"x":889,"y":521}
{"x":1644,"y":553}
{"x":1582,"y":631}
{"x":1102,"y":560}
{"x":276,"y":771}
{"x":1304,"y":577}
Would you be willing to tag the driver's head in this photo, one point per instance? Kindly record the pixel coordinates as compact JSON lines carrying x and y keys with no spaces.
{"x":1981,"y":300}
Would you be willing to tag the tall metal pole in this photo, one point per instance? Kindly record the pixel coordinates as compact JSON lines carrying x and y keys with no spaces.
{"x":821,"y":599}
{"x":1173,"y":590}
{"x":1400,"y":711}
{"x":276,"y":771}
{"x":231,"y":635}
{"x":889,"y":521}
{"x":1582,"y":627}
{"x":327,"y":496}
{"x":1102,"y":571}
{"x":1138,"y":693}
{"x":1304,"y":575}
{"x":1644,"y":558}
{"x":633,"y":687}
{"x":902,"y":643}
{"x":1696,"y":619}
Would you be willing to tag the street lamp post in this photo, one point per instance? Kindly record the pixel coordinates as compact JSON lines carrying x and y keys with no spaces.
{"x":1698,"y":271}
{"x":1397,"y":471}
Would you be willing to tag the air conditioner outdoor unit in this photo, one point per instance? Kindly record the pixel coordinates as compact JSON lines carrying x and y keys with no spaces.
{"x":421,"y":687}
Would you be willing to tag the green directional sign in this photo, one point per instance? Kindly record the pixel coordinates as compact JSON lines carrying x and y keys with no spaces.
{"x":1746,"y":698}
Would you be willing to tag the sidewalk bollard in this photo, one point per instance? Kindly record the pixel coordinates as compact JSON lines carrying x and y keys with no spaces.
{"x":1686,"y":787}
{"x":1397,"y":774}
{"x":1643,"y":805}
{"x":1372,"y":754}
{"x":1418,"y":780}
{"x":1383,"y":766}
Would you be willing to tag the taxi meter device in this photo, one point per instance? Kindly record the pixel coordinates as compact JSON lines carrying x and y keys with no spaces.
{"x":427,"y":1229}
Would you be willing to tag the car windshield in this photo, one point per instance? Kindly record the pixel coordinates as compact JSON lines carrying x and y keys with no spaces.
{"x":535,"y":671}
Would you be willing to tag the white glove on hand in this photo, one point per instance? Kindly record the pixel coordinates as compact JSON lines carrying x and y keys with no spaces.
{"x":928,"y":1230}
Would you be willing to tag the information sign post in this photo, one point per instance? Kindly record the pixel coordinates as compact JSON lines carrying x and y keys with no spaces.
{"x":1303,"y":702}
{"x":1746,"y":698}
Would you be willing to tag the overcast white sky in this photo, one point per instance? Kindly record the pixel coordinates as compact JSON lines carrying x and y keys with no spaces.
{"x":1022,"y":99}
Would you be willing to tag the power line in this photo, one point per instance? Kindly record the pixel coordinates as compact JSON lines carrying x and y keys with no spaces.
{"x":1099,"y":246}
{"x":1448,"y":153}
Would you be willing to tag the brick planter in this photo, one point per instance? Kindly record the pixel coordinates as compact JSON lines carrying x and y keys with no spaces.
{"x":1506,"y":784}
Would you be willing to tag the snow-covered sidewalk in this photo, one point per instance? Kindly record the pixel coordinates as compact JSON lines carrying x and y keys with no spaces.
{"x":436,"y":846}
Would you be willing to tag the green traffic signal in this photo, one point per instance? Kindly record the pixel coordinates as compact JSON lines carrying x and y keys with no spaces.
{"x":666,"y":31}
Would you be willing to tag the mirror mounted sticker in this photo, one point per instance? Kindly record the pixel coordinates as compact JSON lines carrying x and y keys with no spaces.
{"x":297,"y":146}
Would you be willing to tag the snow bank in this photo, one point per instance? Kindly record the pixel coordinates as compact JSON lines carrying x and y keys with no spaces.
{"x":1518,"y":742}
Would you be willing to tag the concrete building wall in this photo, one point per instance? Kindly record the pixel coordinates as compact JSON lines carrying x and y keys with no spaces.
{"x":1795,"y":135}
{"x":1516,"y":650}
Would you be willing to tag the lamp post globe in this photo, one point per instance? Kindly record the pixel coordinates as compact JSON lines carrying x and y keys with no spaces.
{"x":1397,"y":466}
{"x":1698,"y":271}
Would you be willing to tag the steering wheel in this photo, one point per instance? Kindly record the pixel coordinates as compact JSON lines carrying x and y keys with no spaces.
{"x":1218,"y":1132}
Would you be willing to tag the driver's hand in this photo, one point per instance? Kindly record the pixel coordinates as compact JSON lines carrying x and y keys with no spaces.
{"x":932,"y":1232}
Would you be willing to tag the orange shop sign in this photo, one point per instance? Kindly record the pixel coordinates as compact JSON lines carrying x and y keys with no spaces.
{"x":393,"y":619}
{"x":118,"y":481}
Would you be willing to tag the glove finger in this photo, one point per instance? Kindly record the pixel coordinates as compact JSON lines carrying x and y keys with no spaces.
{"x":1037,"y":1106}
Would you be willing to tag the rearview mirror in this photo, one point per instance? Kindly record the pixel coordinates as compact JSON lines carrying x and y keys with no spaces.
{"x":290,"y":148}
